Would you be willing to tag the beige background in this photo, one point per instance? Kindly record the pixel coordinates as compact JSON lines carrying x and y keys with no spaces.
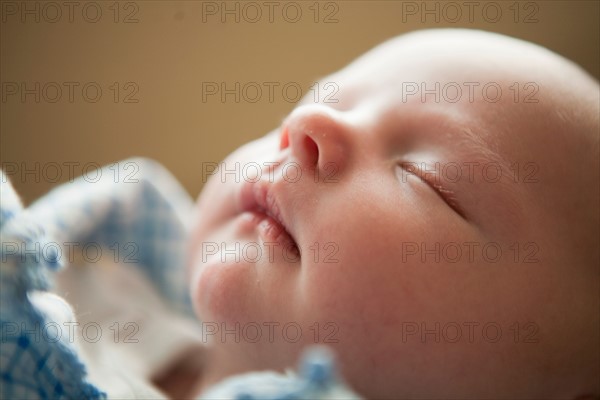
{"x":170,"y":51}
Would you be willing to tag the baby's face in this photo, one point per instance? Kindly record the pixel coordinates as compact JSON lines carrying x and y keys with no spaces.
{"x":438,"y":240}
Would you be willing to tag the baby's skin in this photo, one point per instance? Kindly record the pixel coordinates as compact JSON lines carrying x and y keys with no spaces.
{"x":444,"y":244}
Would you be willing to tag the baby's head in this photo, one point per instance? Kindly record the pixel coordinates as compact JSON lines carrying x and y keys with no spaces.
{"x":445,"y":210}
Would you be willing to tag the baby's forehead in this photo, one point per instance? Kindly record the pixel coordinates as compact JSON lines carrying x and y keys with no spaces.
{"x":479,"y":72}
{"x":449,"y":57}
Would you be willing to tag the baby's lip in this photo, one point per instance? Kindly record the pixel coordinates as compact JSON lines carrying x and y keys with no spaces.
{"x":262,"y":197}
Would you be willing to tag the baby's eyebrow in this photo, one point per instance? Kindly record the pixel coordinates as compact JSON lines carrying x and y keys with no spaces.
{"x":469,"y":139}
{"x":506,"y":188}
{"x":475,"y":144}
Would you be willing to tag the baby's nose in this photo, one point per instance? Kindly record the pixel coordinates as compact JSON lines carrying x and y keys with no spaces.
{"x":318,"y":138}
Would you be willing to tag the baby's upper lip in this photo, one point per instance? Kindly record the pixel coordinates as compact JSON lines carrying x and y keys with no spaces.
{"x":263,"y":196}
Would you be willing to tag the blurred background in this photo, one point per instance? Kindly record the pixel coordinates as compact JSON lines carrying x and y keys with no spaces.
{"x":90,"y":83}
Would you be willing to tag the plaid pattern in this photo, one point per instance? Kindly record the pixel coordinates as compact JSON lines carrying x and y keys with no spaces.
{"x":31,"y":367}
{"x":127,"y":211}
{"x":137,"y":209}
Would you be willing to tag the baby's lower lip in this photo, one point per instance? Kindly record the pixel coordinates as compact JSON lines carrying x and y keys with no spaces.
{"x":271,"y":231}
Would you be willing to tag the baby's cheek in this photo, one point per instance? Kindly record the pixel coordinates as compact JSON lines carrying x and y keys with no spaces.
{"x":220,"y":292}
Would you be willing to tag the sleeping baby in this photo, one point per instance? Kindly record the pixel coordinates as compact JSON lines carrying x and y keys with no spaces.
{"x":430,"y":222}
{"x":435,"y":223}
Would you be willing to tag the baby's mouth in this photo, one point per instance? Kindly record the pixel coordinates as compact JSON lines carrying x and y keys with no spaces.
{"x":259,"y":199}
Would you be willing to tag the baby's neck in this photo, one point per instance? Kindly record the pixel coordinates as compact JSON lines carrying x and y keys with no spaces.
{"x":180,"y":378}
{"x":194,"y":372}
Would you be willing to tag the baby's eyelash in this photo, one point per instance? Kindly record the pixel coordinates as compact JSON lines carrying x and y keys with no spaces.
{"x":447,"y":195}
